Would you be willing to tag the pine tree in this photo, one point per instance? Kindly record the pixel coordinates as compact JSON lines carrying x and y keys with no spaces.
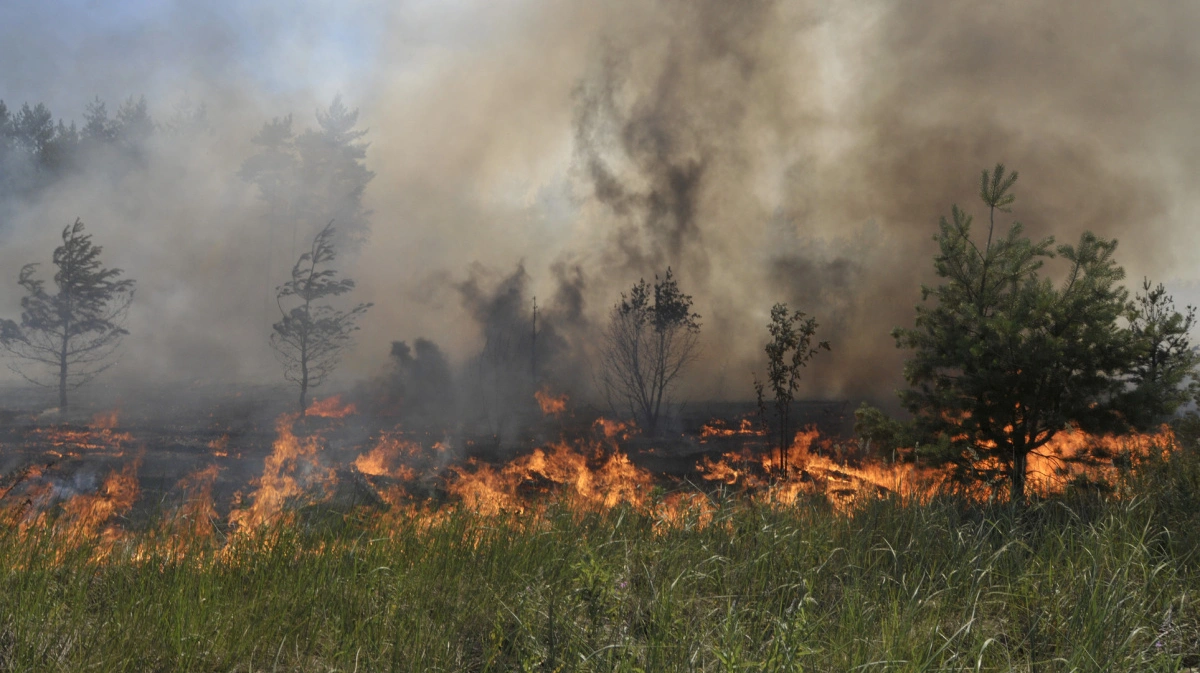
{"x":333,"y":173}
{"x":1161,"y":379}
{"x":311,"y":336}
{"x":133,"y":124}
{"x":313,"y":177}
{"x":73,"y":332}
{"x":98,"y":129}
{"x":273,"y":167}
{"x":1003,"y":360}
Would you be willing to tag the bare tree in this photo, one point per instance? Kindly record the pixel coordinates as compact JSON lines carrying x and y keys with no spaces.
{"x":652,"y":335}
{"x":74,"y":332}
{"x":311,"y":336}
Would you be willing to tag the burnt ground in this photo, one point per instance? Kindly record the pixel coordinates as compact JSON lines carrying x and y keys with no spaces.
{"x":47,"y":458}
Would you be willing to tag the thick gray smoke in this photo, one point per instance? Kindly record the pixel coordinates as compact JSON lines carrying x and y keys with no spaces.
{"x":767,"y":151}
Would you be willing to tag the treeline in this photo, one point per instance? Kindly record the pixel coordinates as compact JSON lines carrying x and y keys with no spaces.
{"x":36,"y":150}
{"x":311,"y":175}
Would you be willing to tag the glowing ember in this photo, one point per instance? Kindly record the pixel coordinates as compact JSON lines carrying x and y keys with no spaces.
{"x":100,"y":436}
{"x":220,"y":446}
{"x":719,"y":428}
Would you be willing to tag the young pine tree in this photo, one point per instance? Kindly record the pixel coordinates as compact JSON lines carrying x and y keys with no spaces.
{"x":72,"y":333}
{"x":1002,"y":358}
{"x":1161,"y":379}
{"x":312,"y":335}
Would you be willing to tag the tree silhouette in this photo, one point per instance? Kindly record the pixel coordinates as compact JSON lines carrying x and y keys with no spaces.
{"x":73,"y":332}
{"x":652,"y":335}
{"x":311,"y":337}
{"x":790,"y":349}
{"x":313,"y":176}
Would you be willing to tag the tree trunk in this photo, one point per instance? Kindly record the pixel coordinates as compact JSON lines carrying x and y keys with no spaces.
{"x":304,"y":369}
{"x":62,"y":386}
{"x":784,"y":420}
{"x":62,"y":379}
{"x":1019,"y":465}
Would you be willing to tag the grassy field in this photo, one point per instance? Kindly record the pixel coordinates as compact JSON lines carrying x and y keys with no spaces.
{"x":1085,"y":582}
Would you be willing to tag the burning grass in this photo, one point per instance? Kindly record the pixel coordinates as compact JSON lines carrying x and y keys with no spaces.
{"x":401,"y":552}
{"x":1068,"y":584}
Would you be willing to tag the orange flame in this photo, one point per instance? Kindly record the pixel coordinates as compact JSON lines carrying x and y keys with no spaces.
{"x":331,"y":407}
{"x":387,"y":458}
{"x":560,"y":469}
{"x":220,"y":446}
{"x":719,"y":428}
{"x":615,"y":429}
{"x":684,"y":511}
{"x":105,"y":420}
{"x":1069,"y":457}
{"x":292,"y":469}
{"x":551,"y":405}
{"x":99,"y":436}
{"x":588,"y":474}
{"x":86,"y":517}
{"x":196,"y":518}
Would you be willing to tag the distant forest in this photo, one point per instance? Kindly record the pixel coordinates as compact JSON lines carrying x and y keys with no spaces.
{"x":316,"y":174}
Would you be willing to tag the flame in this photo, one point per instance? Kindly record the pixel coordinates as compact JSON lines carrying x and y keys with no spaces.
{"x":86,"y":517}
{"x":719,"y":428}
{"x":220,"y":446}
{"x":551,"y":405}
{"x":196,"y":518}
{"x":100,"y":435}
{"x":615,"y":429}
{"x":330,"y":407}
{"x":1071,"y":456}
{"x":292,"y":469}
{"x":106,"y":420}
{"x":599,"y":481}
{"x":389,"y":458}
{"x":585,"y":473}
{"x":1075,"y":455}
{"x":683,"y":511}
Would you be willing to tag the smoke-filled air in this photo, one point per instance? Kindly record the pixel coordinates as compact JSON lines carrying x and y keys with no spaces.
{"x":765,"y":151}
{"x":624,"y":335}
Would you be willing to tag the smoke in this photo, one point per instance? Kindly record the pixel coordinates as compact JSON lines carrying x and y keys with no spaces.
{"x":767,"y":151}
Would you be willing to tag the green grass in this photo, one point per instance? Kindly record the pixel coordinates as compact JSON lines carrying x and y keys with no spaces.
{"x":1080,"y":583}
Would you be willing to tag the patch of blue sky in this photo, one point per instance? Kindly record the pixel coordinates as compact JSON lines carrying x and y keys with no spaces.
{"x":120,"y":47}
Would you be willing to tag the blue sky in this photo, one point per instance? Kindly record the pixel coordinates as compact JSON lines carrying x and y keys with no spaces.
{"x":64,"y":52}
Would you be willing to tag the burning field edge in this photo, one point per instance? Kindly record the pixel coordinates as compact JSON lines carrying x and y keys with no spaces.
{"x":108,"y":483}
{"x":335,"y":542}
